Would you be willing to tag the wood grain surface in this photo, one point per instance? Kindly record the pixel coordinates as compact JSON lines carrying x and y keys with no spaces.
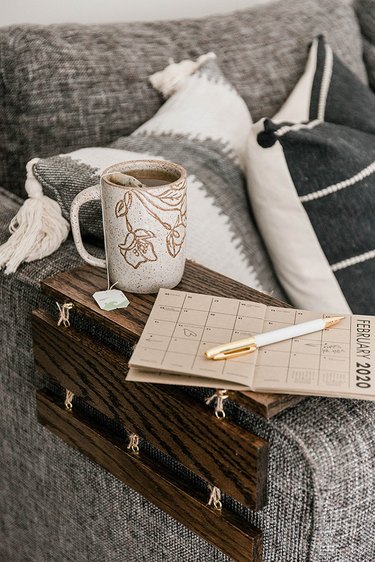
{"x":226,"y":531}
{"x":219,"y":451}
{"x":78,"y":285}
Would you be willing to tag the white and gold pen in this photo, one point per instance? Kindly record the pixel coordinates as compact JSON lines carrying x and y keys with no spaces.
{"x":248,"y":345}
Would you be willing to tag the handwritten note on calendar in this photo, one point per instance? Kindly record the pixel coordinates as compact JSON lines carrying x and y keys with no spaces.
{"x":338,"y":361}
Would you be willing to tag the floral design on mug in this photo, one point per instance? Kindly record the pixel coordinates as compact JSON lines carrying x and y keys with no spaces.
{"x":137,"y":247}
{"x":175,"y":238}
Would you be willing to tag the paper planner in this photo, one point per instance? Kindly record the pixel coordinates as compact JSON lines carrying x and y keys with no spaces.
{"x":334,"y":362}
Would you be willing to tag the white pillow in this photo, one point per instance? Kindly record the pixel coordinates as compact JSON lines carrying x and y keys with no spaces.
{"x":311,"y":180}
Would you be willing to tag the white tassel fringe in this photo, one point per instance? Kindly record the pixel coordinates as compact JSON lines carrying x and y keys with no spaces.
{"x":37,"y":230}
{"x":172,"y":78}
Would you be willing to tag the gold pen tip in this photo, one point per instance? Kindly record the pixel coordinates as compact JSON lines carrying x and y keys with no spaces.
{"x":334,"y":320}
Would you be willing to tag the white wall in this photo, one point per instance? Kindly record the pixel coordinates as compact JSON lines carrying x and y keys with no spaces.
{"x":92,"y":11}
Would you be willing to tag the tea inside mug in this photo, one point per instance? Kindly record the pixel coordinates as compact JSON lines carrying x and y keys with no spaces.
{"x":153,"y":182}
{"x":141,"y":178}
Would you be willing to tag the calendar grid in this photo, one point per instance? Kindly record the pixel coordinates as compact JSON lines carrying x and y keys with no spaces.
{"x":290,"y":352}
{"x":182,"y":326}
{"x":204,"y":327}
{"x":169,"y":343}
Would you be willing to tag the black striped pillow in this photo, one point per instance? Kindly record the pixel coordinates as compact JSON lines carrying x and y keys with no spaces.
{"x":311,"y":179}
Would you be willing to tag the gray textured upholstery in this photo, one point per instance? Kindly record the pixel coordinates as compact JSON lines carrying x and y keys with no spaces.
{"x":67,"y":86}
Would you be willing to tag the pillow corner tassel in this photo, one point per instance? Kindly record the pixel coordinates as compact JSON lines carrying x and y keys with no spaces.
{"x":37,"y":230}
{"x":169,"y":80}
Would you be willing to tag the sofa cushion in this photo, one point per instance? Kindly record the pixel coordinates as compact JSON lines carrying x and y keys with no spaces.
{"x":63,"y":87}
{"x":311,"y":178}
{"x":366,"y":15}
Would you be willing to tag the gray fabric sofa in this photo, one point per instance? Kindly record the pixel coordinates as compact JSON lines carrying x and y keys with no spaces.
{"x":55,"y":504}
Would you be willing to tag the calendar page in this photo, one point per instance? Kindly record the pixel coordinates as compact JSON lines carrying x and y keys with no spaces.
{"x":334,"y":362}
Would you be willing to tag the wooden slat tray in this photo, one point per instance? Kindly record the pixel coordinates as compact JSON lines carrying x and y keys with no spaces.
{"x":78,"y":285}
{"x":222,"y":453}
{"x":224,"y":530}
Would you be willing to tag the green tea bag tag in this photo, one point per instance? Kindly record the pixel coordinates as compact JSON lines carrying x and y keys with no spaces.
{"x":111,"y":299}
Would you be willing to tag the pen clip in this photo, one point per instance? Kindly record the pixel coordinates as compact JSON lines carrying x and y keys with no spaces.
{"x":235,"y":352}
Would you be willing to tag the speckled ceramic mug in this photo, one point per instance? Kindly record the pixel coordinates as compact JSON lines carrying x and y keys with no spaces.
{"x":144,"y":224}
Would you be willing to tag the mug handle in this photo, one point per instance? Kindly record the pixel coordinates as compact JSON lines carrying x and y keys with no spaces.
{"x":92,"y":193}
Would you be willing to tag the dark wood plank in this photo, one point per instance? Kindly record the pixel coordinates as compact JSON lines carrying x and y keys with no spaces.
{"x":78,"y":285}
{"x":226,"y":455}
{"x":224,"y":530}
{"x":264,"y":404}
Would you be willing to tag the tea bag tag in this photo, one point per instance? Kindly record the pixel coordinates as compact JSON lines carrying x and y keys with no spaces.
{"x":111,"y":299}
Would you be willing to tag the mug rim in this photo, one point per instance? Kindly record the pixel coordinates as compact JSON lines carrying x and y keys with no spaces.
{"x":141,"y":165}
